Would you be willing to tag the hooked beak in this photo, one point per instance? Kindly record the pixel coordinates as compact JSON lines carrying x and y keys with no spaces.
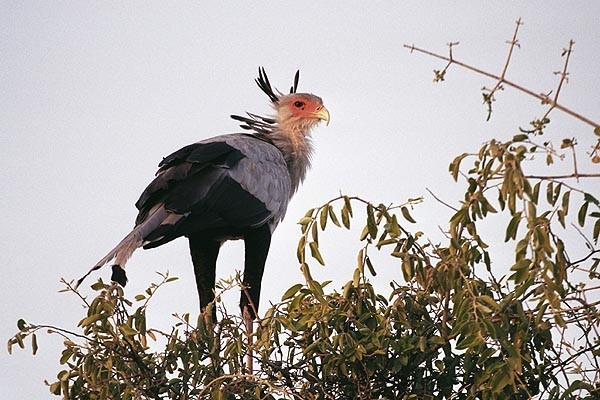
{"x":323,"y":114}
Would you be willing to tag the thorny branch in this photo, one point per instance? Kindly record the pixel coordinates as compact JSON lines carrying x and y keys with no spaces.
{"x":544,"y":98}
{"x":563,"y":78}
{"x":489,"y":96}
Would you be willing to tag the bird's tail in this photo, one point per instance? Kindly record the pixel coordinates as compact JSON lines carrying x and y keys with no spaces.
{"x":156,"y":217}
{"x":121,"y":253}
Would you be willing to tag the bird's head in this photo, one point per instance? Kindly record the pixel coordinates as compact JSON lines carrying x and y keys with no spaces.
{"x":300,"y":110}
{"x":296,"y":113}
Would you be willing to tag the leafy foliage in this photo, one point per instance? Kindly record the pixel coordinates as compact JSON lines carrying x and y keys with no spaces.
{"x":452,"y":329}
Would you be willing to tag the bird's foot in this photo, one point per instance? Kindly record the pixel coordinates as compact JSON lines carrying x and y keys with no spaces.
{"x":118,"y":275}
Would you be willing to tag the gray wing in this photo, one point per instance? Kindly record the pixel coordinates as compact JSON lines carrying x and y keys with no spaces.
{"x":225,"y":184}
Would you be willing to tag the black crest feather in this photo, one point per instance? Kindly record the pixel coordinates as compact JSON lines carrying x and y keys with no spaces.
{"x":259,"y":124}
{"x":263,"y":83}
{"x":294,"y":88}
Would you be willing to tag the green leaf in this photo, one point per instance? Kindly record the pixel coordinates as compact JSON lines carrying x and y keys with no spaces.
{"x":300,"y":250}
{"x":359,"y":258}
{"x":55,"y":388}
{"x":99,"y":285}
{"x":501,"y":379}
{"x":323,"y":217}
{"x":314,"y":231}
{"x":19,"y":339}
{"x":596,"y":231}
{"x":522,"y":270}
{"x":316,"y":254}
{"x":406,"y":215}
{"x":345,"y":217}
{"x":565,"y":202}
{"x":34,"y":344}
{"x":21,"y":324}
{"x":561,"y":217}
{"x":597,"y":130}
{"x":127,"y":330}
{"x":454,"y":167}
{"x":348,"y":205}
{"x":364,"y":233}
{"x":90,"y":320}
{"x":557,"y":191}
{"x":66,"y":354}
{"x":549,"y":191}
{"x":489,"y":301}
{"x":370,"y":266}
{"x":333,"y":216}
{"x":291,"y":291}
{"x":513,"y":225}
{"x":305,"y":221}
{"x":407,"y":268}
{"x":582,"y":214}
{"x":371,"y":224}
{"x":422,"y":343}
{"x":536,"y":193}
{"x":356,"y":277}
{"x":501,"y":200}
{"x":578,"y":385}
{"x":394,"y":227}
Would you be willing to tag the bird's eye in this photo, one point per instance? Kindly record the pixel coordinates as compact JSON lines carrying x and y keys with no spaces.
{"x":299,"y":104}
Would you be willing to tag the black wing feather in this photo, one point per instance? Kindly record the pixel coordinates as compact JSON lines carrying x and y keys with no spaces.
{"x":179,"y":166}
{"x":195,"y":183}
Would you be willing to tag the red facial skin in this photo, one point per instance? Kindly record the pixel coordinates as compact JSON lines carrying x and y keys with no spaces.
{"x":307,"y":106}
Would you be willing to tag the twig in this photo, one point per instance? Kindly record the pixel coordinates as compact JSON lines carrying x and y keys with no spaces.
{"x":543,"y":98}
{"x":574,"y":175}
{"x":588,"y":241}
{"x":584,"y":258}
{"x":441,"y":201}
{"x":514,"y":42}
{"x":563,"y":78}
{"x":588,"y":289}
{"x":575,"y":171}
{"x":566,"y":310}
{"x":62,"y":332}
{"x":73,"y":290}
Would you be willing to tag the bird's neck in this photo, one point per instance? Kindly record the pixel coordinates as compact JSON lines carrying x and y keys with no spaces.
{"x":295,"y":144}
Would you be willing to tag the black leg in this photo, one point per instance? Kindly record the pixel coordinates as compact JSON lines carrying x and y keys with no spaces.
{"x":204,"y":253}
{"x":257,"y":242}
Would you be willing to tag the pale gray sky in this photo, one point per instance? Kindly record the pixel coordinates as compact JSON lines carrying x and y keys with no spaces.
{"x":94,"y":94}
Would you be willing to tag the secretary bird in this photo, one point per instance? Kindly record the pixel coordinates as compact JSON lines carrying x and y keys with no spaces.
{"x":228,"y":187}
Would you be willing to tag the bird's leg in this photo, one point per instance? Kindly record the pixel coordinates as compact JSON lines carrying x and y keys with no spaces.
{"x":204,"y":253}
{"x":257,"y":242}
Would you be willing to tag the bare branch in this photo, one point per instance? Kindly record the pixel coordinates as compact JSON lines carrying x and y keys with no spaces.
{"x":563,"y":78}
{"x":441,"y":201}
{"x":541,"y":97}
